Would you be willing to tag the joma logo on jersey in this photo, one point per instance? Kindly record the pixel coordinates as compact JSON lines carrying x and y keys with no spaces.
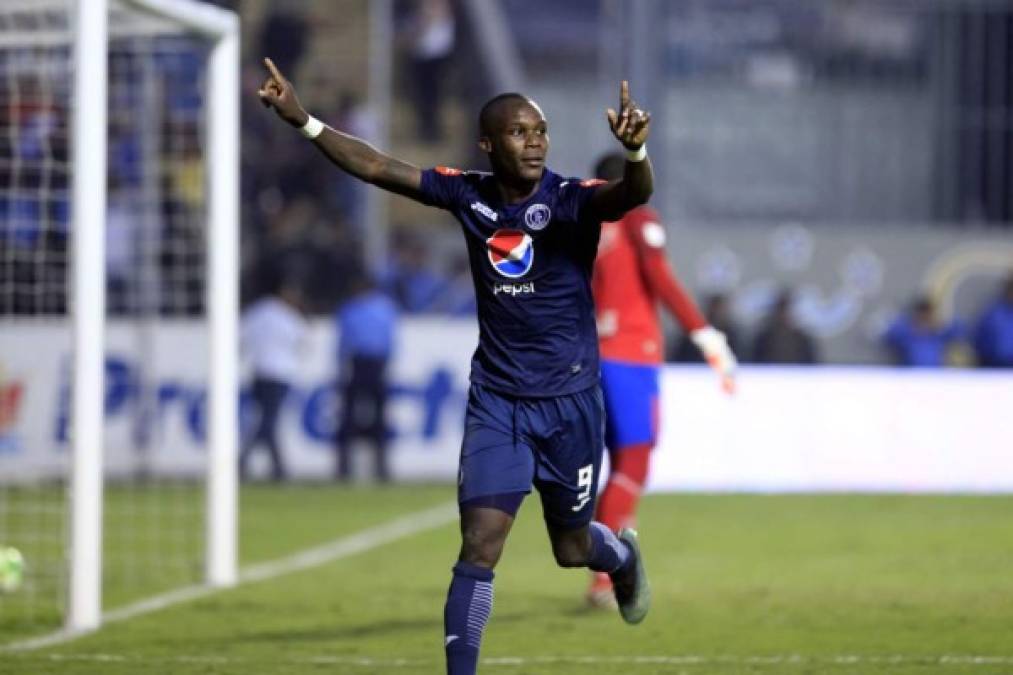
{"x":511,"y":252}
{"x":485,"y":211}
{"x":514,"y":289}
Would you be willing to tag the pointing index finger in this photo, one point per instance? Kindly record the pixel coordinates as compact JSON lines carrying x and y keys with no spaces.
{"x":275,"y":73}
{"x":624,"y":93}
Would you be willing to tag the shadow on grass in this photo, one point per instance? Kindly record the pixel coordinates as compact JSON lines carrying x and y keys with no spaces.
{"x":386,"y":628}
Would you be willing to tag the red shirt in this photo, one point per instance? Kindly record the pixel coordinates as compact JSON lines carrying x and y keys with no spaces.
{"x":631,"y":275}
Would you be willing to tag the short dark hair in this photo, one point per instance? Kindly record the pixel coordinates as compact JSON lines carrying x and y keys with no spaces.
{"x":923,"y":304}
{"x":610,"y":166}
{"x":488,"y":112}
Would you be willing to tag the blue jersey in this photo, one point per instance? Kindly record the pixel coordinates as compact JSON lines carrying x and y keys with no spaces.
{"x":531,"y":264}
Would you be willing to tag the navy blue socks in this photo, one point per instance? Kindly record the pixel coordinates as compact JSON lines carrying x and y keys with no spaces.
{"x":469,"y":604}
{"x":608,"y":552}
{"x":469,"y":599}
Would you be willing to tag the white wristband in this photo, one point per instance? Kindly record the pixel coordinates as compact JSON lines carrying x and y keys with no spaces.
{"x":638,"y":155}
{"x":312,"y":128}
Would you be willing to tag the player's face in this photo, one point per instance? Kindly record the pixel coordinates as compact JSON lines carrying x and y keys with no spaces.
{"x":518,"y":147}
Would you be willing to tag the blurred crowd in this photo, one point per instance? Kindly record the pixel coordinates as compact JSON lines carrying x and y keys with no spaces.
{"x":154,"y":239}
{"x":303,"y":221}
{"x":301,"y":214}
{"x":920,"y":337}
{"x":917,"y":337}
{"x":298,"y":214}
{"x":33,"y":239}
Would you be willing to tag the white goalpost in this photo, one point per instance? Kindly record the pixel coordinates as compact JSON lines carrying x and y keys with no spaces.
{"x":118,"y":303}
{"x":88,"y":288}
{"x":90,"y":123}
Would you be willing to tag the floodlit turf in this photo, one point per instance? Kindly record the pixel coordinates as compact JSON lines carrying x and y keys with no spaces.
{"x":742,"y":584}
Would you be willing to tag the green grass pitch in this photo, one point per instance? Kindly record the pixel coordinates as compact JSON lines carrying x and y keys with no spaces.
{"x":742,"y":584}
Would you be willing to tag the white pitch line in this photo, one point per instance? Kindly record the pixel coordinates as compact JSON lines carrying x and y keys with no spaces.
{"x":520,"y":661}
{"x":344,"y":547}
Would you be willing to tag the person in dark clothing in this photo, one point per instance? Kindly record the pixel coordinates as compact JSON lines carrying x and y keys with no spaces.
{"x":430,"y":40}
{"x":537,"y":360}
{"x":781,"y":340}
{"x":285,"y":34}
{"x":993,"y":337}
{"x":717,"y":311}
{"x":366,"y":326}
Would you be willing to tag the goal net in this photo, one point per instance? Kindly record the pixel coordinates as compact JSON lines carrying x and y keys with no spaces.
{"x":159,"y":309}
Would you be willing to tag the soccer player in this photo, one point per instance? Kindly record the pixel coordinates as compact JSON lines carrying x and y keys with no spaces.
{"x":534,"y":414}
{"x":631,"y":276}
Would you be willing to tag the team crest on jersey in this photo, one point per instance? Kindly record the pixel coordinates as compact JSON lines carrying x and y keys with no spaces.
{"x":511,"y":252}
{"x":592,"y":182}
{"x":537,"y":216}
{"x":448,"y":171}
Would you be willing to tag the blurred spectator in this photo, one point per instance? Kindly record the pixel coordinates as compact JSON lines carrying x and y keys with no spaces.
{"x":122,"y":245}
{"x":284,"y":35}
{"x":331,"y":257}
{"x":919,"y":338}
{"x":186,"y":168}
{"x":126,"y":165}
{"x":353,"y":116}
{"x":780,"y":339}
{"x":33,"y":273}
{"x":430,"y":43}
{"x":993,"y":338}
{"x":180,"y":255}
{"x":718,"y":312}
{"x":366,"y":331}
{"x":272,"y":337}
{"x":55,"y":272}
{"x":346,"y":193}
{"x":33,"y":201}
{"x":410,"y":279}
{"x":459,"y":293}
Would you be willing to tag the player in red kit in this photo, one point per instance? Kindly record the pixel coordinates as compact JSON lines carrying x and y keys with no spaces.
{"x":631,"y":276}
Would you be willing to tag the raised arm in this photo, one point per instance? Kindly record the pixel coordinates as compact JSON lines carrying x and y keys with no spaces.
{"x":351,"y":154}
{"x":649,"y":239}
{"x":630,"y":127}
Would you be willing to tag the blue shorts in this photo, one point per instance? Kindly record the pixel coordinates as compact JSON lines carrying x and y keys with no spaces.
{"x":553,"y":443}
{"x":631,"y":404}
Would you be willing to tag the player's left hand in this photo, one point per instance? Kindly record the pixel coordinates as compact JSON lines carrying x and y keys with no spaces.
{"x":630,"y":124}
{"x":714,"y":346}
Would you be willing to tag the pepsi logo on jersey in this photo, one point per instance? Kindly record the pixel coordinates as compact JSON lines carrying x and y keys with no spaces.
{"x":513,"y":289}
{"x":511,"y":252}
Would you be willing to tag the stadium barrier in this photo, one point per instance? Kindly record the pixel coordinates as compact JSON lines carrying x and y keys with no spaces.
{"x":787,"y":429}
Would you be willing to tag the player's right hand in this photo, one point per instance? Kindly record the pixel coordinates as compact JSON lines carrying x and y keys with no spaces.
{"x":714,"y":346}
{"x":278,"y":93}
